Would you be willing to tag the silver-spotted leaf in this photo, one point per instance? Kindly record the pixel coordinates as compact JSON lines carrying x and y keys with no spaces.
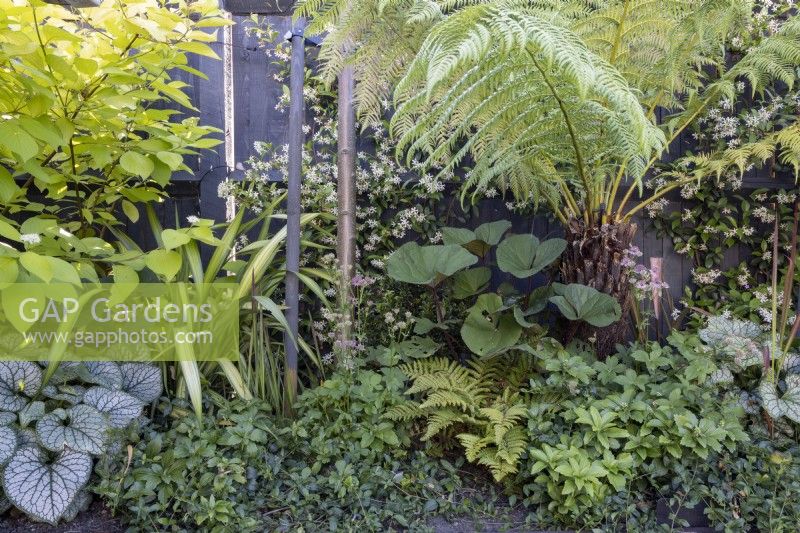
{"x":45,"y":489}
{"x":120,"y":407}
{"x":7,"y":418}
{"x":142,"y":381}
{"x":72,"y":394}
{"x":81,"y":427}
{"x":19,"y":381}
{"x":721,"y":375}
{"x":8,"y":443}
{"x":79,"y":504}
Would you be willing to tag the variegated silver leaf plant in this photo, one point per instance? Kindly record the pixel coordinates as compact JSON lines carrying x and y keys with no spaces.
{"x":50,"y":433}
{"x":743,"y":345}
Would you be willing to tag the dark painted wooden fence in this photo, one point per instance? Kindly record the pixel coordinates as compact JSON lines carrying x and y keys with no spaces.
{"x":239,"y":98}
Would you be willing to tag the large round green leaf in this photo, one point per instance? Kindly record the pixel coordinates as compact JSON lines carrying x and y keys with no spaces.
{"x":427,"y":265}
{"x":489,"y":328}
{"x":579,"y":302}
{"x":470,"y":282}
{"x":19,"y":381}
{"x":480,"y":241}
{"x":81,"y":427}
{"x":45,"y":489}
{"x":522,"y":256}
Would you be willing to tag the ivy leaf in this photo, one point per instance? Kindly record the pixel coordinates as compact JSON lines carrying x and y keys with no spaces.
{"x":121,"y":407}
{"x":19,"y":380}
{"x":80,"y":427}
{"x":579,"y":302}
{"x":142,"y":381}
{"x":8,"y":444}
{"x":522,"y":256}
{"x":43,"y":489}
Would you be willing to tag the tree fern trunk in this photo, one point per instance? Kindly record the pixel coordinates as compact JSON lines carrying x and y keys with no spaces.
{"x":594,"y":257}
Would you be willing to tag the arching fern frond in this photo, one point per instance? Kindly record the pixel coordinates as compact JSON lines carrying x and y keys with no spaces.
{"x":521,"y":96}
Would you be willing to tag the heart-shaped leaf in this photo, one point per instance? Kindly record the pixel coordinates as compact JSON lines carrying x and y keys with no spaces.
{"x":489,"y":328}
{"x":777,"y":405}
{"x":480,"y":241}
{"x":470,"y":282}
{"x":81,"y":427}
{"x":19,"y":380}
{"x":492,"y":232}
{"x":104,"y":373}
{"x":142,"y":381}
{"x":7,"y":418}
{"x":31,"y":413}
{"x":427,"y":265}
{"x":45,"y":489}
{"x":8,"y":444}
{"x":522,"y":256}
{"x":121,"y":407}
{"x":579,"y":302}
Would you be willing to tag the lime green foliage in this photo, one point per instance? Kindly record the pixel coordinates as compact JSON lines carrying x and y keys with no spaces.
{"x":257,"y":274}
{"x":481,"y":398}
{"x":575,"y":438}
{"x":338,"y":466}
{"x":607,"y":431}
{"x":91,"y":126}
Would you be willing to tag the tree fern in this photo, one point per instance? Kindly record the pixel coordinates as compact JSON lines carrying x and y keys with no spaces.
{"x":554,"y":100}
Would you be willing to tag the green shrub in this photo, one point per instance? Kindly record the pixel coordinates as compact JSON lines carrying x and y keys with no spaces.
{"x":339,"y":465}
